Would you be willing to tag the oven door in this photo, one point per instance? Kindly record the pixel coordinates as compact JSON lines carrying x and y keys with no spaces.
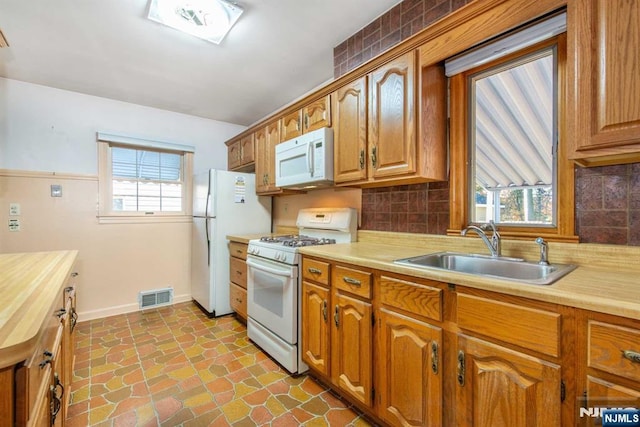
{"x":272,"y":296}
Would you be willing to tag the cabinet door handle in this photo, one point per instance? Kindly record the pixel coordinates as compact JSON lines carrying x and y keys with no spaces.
{"x":74,"y":318}
{"x":362,"y":158}
{"x":313,"y":270}
{"x":461,"y":368}
{"x":434,"y":357}
{"x":336,"y":316}
{"x":352,"y":281}
{"x":324,"y":310}
{"x":633,"y":356}
{"x":374,"y":158}
{"x":48,"y":358}
{"x":306,"y":121}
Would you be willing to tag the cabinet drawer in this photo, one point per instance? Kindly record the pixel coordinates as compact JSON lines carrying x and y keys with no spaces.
{"x":238,"y":300}
{"x":34,"y":377}
{"x":238,"y":272}
{"x":531,"y":328}
{"x":238,"y":250}
{"x":614,"y":349}
{"x":416,"y":298}
{"x":357,"y":282}
{"x":314,"y":270}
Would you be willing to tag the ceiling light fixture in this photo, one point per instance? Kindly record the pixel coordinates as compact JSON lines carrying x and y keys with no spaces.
{"x":210,"y":20}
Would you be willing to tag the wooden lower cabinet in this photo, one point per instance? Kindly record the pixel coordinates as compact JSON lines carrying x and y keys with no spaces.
{"x":315,"y":323}
{"x":502,"y":387}
{"x":611,"y":361}
{"x":238,"y":278}
{"x":409,"y":367}
{"x":351,"y":346}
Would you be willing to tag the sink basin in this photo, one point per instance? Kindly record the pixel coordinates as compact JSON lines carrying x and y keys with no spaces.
{"x":506,"y":268}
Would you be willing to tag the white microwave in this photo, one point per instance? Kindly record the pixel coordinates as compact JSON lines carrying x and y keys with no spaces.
{"x":305,"y":161}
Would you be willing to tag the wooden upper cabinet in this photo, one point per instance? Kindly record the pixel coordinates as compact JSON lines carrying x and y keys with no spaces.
{"x":247,"y":151}
{"x":233,"y":155}
{"x":272,"y":139}
{"x":262,"y":160}
{"x":377,"y":137}
{"x":392,"y":136}
{"x":241,"y":154}
{"x":315,"y":115}
{"x":350,"y":132}
{"x":605,"y":108}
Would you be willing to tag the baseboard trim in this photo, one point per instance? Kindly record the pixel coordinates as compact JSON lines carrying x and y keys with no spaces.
{"x":85,"y":316}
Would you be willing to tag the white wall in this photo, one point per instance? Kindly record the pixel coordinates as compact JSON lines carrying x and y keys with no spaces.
{"x":48,"y":136}
{"x":47,"y":129}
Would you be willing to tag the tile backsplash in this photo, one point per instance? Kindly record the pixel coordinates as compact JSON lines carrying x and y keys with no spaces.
{"x":608,"y":204}
{"x":400,"y":22}
{"x":416,"y":208}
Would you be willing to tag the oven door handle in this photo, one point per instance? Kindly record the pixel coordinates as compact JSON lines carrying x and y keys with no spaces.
{"x":288,"y":272}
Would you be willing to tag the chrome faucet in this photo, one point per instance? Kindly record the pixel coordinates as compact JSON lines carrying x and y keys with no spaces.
{"x":495,"y":248}
{"x":544,"y":251}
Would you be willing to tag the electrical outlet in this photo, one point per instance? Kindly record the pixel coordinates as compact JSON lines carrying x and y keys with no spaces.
{"x":14,"y":209}
{"x":14,"y":225}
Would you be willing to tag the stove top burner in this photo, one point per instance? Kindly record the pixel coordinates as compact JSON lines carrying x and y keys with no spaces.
{"x":297,"y":241}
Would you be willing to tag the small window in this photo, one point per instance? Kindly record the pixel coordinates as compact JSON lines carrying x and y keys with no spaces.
{"x":508,"y":146}
{"x":512,"y":136}
{"x":145,"y":180}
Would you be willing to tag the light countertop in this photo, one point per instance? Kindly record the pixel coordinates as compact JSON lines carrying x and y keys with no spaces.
{"x":591,"y":286}
{"x":30,"y":287}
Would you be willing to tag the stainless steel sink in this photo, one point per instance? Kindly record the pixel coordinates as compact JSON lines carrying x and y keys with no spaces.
{"x":506,"y":268}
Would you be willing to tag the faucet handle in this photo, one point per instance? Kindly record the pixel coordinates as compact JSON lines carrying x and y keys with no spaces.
{"x":544,"y":251}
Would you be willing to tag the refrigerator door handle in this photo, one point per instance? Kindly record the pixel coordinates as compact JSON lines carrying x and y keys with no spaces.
{"x":206,"y":230}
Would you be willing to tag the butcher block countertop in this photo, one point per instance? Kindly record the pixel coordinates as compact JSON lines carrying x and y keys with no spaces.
{"x":30,"y":288}
{"x":606,"y":280}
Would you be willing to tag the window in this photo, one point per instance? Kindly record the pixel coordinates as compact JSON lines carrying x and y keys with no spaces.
{"x":512,"y":137}
{"x":507,"y":153}
{"x":143,"y":179}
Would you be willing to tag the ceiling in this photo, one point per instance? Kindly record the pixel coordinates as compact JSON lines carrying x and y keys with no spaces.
{"x":278,"y":51}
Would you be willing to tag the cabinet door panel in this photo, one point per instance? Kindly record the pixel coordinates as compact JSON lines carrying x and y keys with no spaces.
{"x":350,"y":132}
{"x":247,"y":150}
{"x":607,"y":100}
{"x":315,"y":324}
{"x":233,"y":155}
{"x":603,"y":394}
{"x":506,"y":388}
{"x":392,"y":142}
{"x":410,"y":379}
{"x":290,"y":126}
{"x":262,"y":160}
{"x":317,"y":114}
{"x":351,"y":347}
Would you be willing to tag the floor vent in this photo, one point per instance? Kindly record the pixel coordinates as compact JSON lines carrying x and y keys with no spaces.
{"x":155,"y":298}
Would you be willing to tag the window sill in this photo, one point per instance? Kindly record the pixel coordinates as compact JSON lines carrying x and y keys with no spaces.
{"x":139,"y":219}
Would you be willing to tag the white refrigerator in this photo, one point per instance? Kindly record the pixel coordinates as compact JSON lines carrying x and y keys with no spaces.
{"x":223,"y":203}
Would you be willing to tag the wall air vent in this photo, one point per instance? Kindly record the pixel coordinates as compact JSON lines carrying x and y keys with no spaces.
{"x":3,"y":40}
{"x":155,"y":298}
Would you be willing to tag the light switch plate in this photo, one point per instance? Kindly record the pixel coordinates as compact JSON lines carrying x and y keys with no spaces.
{"x":14,"y":225}
{"x":56,"y":190}
{"x":14,"y":209}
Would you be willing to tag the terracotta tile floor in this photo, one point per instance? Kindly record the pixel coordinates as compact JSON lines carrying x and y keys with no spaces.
{"x":173,"y":366}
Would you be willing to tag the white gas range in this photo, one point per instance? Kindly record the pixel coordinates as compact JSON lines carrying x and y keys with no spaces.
{"x":274,"y":285}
